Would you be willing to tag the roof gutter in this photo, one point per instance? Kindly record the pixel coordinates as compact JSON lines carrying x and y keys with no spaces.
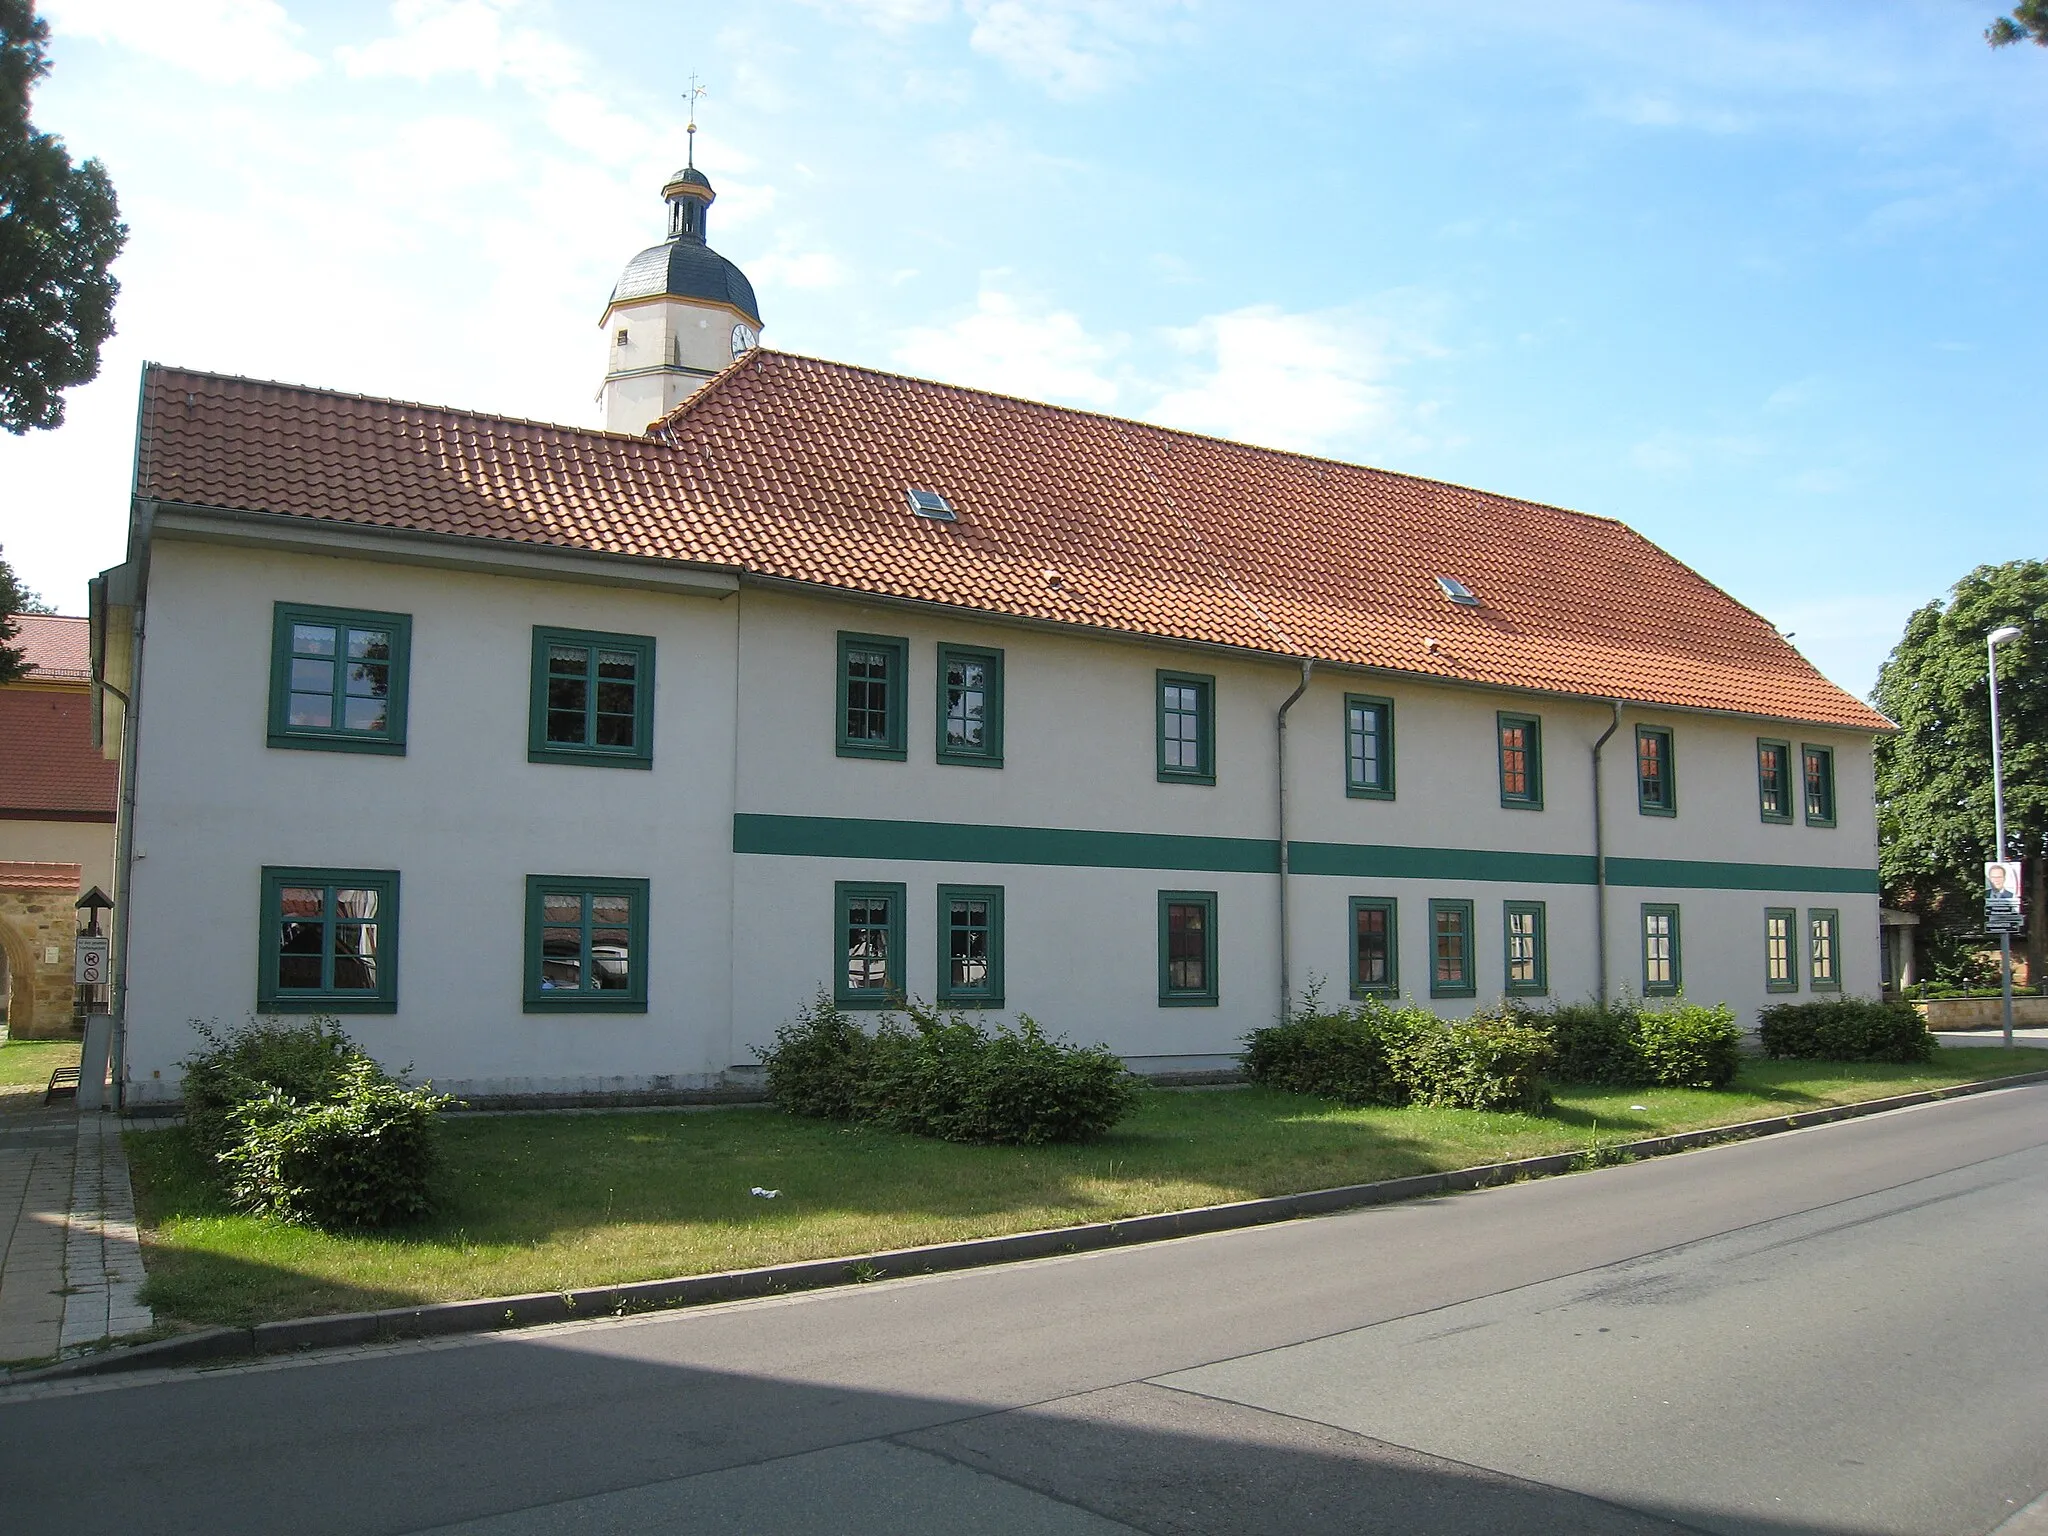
{"x":1600,"y":855}
{"x":1308,"y":666}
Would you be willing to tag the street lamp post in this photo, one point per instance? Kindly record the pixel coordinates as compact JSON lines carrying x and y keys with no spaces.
{"x":1992,"y":642}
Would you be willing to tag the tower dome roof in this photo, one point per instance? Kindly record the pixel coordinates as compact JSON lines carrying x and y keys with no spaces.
{"x":686,"y":269}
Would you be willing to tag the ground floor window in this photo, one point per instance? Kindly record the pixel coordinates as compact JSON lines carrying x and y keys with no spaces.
{"x":1187,"y":948}
{"x":1375,"y":968}
{"x":1528,"y":961}
{"x":1780,"y":966}
{"x":869,"y":921}
{"x":586,"y":944}
{"x":330,"y":941}
{"x":1450,"y":940}
{"x":971,"y":945}
{"x":1823,"y":928}
{"x":1660,"y":951}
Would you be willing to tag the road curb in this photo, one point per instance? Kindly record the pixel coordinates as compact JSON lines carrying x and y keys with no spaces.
{"x":496,"y":1313}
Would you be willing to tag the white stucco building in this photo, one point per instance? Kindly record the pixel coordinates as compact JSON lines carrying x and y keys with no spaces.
{"x":570,"y":762}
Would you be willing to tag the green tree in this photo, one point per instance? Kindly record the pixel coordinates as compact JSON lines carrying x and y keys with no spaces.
{"x":1934,"y":803}
{"x":2028,"y":23}
{"x":59,"y":232}
{"x":14,"y":598}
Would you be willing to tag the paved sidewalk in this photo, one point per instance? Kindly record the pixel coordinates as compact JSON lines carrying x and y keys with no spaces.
{"x":70,"y":1263}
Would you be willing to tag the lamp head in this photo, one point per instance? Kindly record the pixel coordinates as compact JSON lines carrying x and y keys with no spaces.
{"x":2000,"y":636}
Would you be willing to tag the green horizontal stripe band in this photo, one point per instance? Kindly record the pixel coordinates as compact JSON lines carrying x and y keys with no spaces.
{"x":937,"y":842}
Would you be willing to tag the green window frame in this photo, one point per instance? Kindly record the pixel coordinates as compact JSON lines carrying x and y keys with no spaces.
{"x":1781,"y":958}
{"x":1656,"y":772}
{"x":1519,"y":739}
{"x":1817,"y":782}
{"x":1525,"y":943}
{"x":874,"y":671}
{"x":1375,"y":946}
{"x":339,"y":679}
{"x":970,"y":728}
{"x":971,"y":945}
{"x":1451,"y":972}
{"x":575,"y":927}
{"x":1186,"y":727}
{"x":1774,"y":780}
{"x":329,"y":942}
{"x":1187,"y":949}
{"x":591,"y":701}
{"x":1823,"y":949}
{"x":868,"y":944}
{"x":1368,"y":747}
{"x":1663,"y":972}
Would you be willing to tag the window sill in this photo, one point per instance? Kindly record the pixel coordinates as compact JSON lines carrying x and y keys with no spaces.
{"x":551,"y":1003}
{"x":1657,"y":810}
{"x":303,"y":1004}
{"x":878,"y":754}
{"x":579,"y":758}
{"x":294,"y":741}
{"x":1354,"y":792}
{"x":964,"y":760}
{"x":1453,"y":991}
{"x":1208,"y":780}
{"x":1188,"y":1001}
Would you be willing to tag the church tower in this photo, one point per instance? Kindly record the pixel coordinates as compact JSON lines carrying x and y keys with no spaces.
{"x":679,"y":314}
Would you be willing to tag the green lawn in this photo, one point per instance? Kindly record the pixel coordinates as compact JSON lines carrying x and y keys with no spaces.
{"x":554,"y":1202}
{"x":25,"y":1068}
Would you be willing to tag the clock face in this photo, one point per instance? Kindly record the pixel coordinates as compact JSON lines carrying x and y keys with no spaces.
{"x":743,"y":339}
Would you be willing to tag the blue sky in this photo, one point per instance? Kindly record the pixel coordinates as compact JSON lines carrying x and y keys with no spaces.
{"x":1759,"y":280}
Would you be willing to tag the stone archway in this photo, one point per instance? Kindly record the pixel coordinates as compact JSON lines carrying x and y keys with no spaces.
{"x":21,"y":980}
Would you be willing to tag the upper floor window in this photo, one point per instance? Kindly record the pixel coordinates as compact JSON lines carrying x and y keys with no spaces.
{"x":970,"y":706}
{"x":1818,"y":771}
{"x":872,"y":678}
{"x":1368,"y":747}
{"x":1521,"y":761}
{"x":329,"y":942}
{"x":1187,"y":728}
{"x":593,"y":699}
{"x":1774,"y":779}
{"x":1656,"y":788}
{"x":338,"y":679}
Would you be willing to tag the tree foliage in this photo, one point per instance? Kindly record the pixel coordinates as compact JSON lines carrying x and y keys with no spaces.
{"x":60,"y":231}
{"x":1934,"y":801}
{"x":2028,"y":23}
{"x":14,"y":598}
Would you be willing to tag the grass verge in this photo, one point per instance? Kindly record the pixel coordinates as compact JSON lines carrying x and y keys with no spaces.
{"x":555,"y":1202}
{"x":25,"y":1068}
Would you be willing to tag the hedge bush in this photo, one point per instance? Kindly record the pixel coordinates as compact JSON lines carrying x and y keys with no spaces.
{"x":1846,"y":1029}
{"x":1689,"y":1046}
{"x":1595,"y":1043}
{"x":1626,"y":1044}
{"x":1370,"y":1053}
{"x":301,"y":1124}
{"x":945,"y":1076}
{"x":366,"y":1157}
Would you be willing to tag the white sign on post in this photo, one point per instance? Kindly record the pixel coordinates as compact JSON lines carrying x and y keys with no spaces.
{"x":89,"y":967}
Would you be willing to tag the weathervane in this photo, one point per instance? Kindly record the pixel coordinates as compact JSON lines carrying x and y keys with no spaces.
{"x":690,"y":97}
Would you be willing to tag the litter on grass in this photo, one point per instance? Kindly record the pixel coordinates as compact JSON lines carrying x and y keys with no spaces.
{"x":765,"y":1194}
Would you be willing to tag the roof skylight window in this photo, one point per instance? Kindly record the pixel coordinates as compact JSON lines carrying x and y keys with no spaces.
{"x":930,"y":504}
{"x":1458,"y":592}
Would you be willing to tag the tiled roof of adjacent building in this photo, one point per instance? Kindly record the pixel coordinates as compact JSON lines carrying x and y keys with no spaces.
{"x":48,"y":764}
{"x":788,"y":467}
{"x":59,"y":649}
{"x":27,"y":875}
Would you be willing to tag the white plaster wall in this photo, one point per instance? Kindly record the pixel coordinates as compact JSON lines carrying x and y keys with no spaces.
{"x":88,"y":844}
{"x":463,"y":816}
{"x":662,"y":333}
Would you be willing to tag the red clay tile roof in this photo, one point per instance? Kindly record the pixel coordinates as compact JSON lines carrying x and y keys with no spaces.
{"x":48,"y":764}
{"x":27,"y":875}
{"x":58,"y":648}
{"x":794,"y":468}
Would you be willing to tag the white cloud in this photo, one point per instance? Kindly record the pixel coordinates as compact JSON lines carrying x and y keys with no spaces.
{"x":1005,"y":345}
{"x":224,"y":42}
{"x":1308,"y":382}
{"x":1847,"y":637}
{"x":468,"y":37}
{"x":1678,"y":453}
{"x":1068,"y":47}
{"x":797,"y":269}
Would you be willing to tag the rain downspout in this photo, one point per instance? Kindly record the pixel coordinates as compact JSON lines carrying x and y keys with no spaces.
{"x":1308,"y":666}
{"x":1600,"y":854}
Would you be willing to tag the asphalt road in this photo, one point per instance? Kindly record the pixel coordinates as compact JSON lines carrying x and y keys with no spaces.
{"x":1839,"y":1330}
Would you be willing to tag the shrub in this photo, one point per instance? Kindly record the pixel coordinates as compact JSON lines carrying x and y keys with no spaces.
{"x":306,"y":1061}
{"x":947,"y":1077}
{"x":1372,"y":1054}
{"x":1846,"y":1029}
{"x":1689,"y":1046}
{"x":1595,"y":1043}
{"x":818,"y":1062}
{"x":364,"y":1157}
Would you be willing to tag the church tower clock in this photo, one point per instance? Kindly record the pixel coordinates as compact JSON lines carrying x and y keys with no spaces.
{"x":679,"y":314}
